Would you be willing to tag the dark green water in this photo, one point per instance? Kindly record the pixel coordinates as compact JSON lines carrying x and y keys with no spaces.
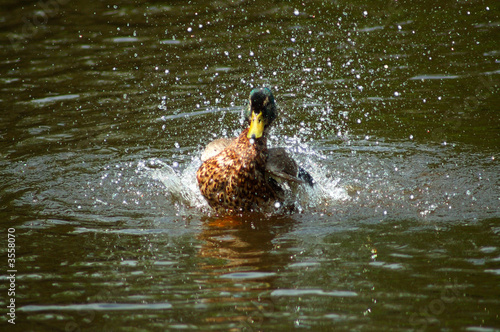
{"x":392,"y":106}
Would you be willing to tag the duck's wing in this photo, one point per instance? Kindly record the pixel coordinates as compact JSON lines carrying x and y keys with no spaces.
{"x":216,"y":147}
{"x":281,"y":165}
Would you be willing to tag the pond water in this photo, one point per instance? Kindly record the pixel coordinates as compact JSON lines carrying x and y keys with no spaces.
{"x":392,"y":106}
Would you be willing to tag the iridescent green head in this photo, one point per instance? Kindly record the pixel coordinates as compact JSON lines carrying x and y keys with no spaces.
{"x":261,"y":111}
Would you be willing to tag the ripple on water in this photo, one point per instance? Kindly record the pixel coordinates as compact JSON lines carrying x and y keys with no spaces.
{"x":315,"y":292}
{"x":97,"y":307}
{"x":247,"y":275}
{"x":53,"y":99}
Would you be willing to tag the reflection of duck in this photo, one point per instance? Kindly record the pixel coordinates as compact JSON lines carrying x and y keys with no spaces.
{"x":237,"y":255}
{"x":242,"y":174}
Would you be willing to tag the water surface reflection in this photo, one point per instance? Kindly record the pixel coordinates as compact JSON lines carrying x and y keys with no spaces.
{"x":242,"y":258}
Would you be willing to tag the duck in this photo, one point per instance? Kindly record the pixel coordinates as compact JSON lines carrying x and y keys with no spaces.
{"x":242,"y":174}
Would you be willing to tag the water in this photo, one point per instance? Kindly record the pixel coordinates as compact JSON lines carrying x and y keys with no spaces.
{"x":392,"y":107}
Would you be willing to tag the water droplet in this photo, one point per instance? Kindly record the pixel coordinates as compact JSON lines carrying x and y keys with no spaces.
{"x":296,"y":12}
{"x":411,"y":136}
{"x":292,"y":40}
{"x":277,"y":205}
{"x":167,"y":71}
{"x":396,"y":94}
{"x":365,"y":13}
{"x":189,"y":29}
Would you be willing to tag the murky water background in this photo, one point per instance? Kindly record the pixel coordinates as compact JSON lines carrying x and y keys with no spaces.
{"x":392,"y":106}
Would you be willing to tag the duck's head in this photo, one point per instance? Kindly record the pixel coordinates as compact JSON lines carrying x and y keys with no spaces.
{"x":261,"y":111}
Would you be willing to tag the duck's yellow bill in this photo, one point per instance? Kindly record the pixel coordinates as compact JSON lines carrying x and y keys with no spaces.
{"x":256,"y":125}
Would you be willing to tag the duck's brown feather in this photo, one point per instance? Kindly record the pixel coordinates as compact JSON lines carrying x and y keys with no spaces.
{"x":279,"y":164}
{"x":235,"y":179}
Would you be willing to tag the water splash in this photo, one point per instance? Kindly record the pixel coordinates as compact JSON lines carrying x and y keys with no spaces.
{"x":181,"y":186}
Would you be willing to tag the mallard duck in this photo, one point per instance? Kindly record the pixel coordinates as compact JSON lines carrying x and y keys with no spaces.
{"x":242,"y":174}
